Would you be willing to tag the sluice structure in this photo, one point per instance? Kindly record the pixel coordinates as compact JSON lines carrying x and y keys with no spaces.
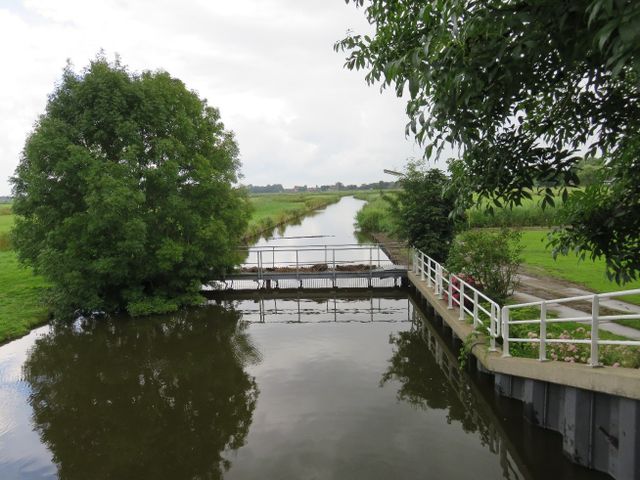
{"x":314,"y":267}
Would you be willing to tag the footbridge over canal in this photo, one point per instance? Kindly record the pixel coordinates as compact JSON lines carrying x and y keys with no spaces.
{"x":315,"y":266}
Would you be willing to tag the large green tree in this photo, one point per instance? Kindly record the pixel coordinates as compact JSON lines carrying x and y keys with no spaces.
{"x":520,"y":87}
{"x":422,"y":210}
{"x":125,"y":192}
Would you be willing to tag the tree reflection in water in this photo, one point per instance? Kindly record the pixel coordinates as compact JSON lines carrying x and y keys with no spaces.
{"x":430,"y":380}
{"x":161,"y":397}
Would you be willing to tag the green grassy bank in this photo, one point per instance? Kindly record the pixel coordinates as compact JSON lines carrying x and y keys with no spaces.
{"x":21,"y":293}
{"x":271,"y":210}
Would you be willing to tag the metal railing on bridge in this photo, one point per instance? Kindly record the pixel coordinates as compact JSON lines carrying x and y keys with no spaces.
{"x":489,"y":317}
{"x":316,"y":266}
{"x":269,"y":257}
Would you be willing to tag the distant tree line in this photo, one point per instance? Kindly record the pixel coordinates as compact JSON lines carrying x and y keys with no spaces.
{"x":338,"y":186}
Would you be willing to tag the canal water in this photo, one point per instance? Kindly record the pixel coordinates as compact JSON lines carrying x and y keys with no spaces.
{"x":343,"y":385}
{"x":326,"y":236}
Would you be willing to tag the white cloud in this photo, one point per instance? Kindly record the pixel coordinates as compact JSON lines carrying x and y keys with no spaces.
{"x":299,"y":116}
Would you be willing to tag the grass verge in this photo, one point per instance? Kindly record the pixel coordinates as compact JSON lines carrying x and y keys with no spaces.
{"x":21,"y":292}
{"x":375,"y":216}
{"x":611,"y":355}
{"x":21,"y":298}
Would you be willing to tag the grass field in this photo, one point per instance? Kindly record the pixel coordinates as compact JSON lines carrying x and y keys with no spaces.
{"x":529,"y":214}
{"x":590,"y":274}
{"x":21,"y":292}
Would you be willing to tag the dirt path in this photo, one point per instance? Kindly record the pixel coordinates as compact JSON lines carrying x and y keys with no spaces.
{"x":534,"y":288}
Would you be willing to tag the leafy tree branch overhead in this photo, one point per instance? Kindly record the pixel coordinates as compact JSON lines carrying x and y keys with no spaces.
{"x":525,"y":89}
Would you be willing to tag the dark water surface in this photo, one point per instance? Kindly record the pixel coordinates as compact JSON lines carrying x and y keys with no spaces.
{"x":287,"y":387}
{"x":340,"y":386}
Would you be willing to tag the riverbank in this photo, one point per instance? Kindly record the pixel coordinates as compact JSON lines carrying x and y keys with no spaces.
{"x":21,"y":292}
{"x":273,"y":210}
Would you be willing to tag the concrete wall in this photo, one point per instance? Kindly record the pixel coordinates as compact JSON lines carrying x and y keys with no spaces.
{"x":599,"y":430}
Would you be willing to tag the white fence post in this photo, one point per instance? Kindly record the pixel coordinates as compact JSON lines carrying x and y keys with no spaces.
{"x":439,"y":276}
{"x":542,"y":354}
{"x":297,"y":267}
{"x":450,"y":293}
{"x":595,"y":314}
{"x":333,"y":256}
{"x":461,"y":300}
{"x":475,"y":308}
{"x":505,"y":332}
{"x":492,"y":329}
{"x":422,"y":266}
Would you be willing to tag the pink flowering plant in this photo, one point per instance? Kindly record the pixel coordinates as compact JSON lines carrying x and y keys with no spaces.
{"x":611,"y":355}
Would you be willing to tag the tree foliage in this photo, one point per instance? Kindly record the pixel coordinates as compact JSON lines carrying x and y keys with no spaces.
{"x":125,"y":192}
{"x":520,"y":87}
{"x":422,"y":211}
{"x":491,"y":258}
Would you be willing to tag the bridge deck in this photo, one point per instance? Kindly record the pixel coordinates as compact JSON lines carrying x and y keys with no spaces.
{"x":314,"y":266}
{"x":386,"y":271}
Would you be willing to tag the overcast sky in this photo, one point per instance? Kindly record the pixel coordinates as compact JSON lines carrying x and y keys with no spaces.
{"x":299,"y":116}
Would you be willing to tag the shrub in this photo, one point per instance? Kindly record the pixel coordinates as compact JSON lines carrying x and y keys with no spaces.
{"x":491,"y":258}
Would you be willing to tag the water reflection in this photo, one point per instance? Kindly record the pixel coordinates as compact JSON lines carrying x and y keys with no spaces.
{"x":273,"y":386}
{"x":420,"y":356}
{"x":429,"y":377}
{"x":150,"y":398}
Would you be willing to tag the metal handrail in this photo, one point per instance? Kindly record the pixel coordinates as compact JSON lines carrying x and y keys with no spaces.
{"x":322,"y":246}
{"x":473,"y":302}
{"x":270,"y":257}
{"x":594,"y":319}
{"x":437,"y":277}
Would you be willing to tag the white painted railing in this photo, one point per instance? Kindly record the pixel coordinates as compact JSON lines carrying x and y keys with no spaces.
{"x":470,"y":301}
{"x":593,"y":320}
{"x":488,"y":315}
{"x":299,"y":257}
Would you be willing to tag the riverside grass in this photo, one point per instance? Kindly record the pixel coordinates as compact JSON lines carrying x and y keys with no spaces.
{"x":271,"y":210}
{"x":22,"y":293}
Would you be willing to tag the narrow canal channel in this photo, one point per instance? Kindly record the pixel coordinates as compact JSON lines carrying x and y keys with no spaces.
{"x":343,"y":385}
